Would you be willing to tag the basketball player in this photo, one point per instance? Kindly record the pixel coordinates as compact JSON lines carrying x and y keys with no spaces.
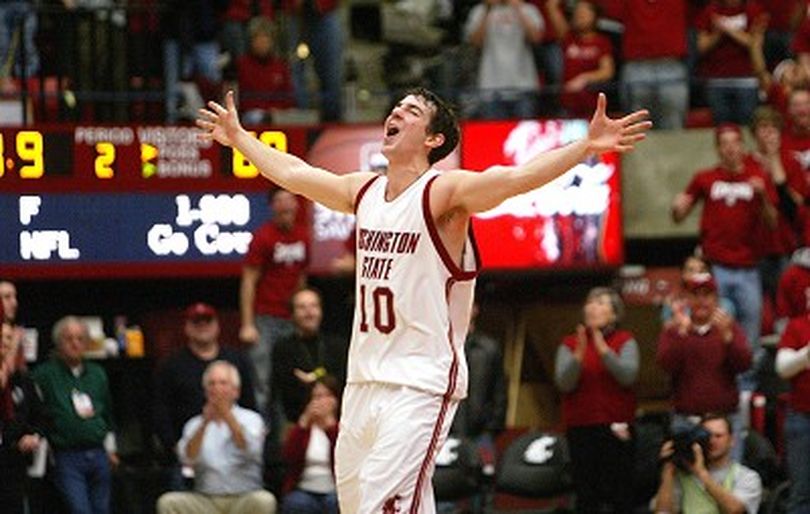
{"x":416,"y":268}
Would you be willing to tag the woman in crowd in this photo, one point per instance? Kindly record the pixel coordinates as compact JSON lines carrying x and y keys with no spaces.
{"x":595,"y":369}
{"x":587,"y":56}
{"x":309,"y":484}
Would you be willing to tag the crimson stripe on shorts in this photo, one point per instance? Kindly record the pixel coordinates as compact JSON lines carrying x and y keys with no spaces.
{"x":448,"y":394}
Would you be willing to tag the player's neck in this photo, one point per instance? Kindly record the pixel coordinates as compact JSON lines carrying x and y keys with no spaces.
{"x":732,"y":166}
{"x":403,"y":175}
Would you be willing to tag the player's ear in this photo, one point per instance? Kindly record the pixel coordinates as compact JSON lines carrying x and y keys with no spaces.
{"x":435,"y":140}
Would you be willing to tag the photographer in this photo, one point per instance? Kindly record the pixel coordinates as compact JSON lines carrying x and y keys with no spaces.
{"x":709,"y":481}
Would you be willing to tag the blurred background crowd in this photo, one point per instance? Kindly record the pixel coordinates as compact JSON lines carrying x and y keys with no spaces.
{"x":696,"y":403}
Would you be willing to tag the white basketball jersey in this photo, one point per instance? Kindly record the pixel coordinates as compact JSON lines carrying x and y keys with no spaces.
{"x":413,"y":300}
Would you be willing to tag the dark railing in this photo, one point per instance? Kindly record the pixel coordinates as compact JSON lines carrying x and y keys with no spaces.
{"x":106,"y":65}
{"x":101,"y":65}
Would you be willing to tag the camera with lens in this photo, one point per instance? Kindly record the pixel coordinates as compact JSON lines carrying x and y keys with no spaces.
{"x":683,"y":438}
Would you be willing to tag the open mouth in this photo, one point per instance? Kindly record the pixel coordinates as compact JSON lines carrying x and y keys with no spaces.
{"x":392,"y":131}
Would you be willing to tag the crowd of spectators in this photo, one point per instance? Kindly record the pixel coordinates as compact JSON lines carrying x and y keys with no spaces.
{"x":531,"y":56}
{"x":752,"y":208}
{"x":753,"y":254}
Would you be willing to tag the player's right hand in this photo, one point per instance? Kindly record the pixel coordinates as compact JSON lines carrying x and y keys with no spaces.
{"x":249,"y":334}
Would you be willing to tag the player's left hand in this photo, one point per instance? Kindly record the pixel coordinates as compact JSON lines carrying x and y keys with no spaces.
{"x":619,"y":135}
{"x":219,"y":123}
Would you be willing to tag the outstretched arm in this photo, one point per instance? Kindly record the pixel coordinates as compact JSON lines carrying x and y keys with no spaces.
{"x":337,"y":192}
{"x":478,"y":192}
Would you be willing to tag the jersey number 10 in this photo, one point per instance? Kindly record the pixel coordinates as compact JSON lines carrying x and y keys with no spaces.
{"x":382,"y":299}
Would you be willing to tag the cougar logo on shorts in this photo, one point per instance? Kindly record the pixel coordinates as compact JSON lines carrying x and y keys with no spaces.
{"x":391,"y":505}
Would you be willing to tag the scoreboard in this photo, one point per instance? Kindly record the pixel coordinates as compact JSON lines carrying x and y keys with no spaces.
{"x":127,"y":154}
{"x":128,"y":201}
{"x":157,"y":201}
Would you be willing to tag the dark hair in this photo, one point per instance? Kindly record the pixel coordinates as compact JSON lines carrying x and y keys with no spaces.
{"x":271,"y":194}
{"x":697,"y":257}
{"x":616,"y":302}
{"x":711,"y":416}
{"x":443,"y":122}
{"x":766,"y":115}
{"x":291,"y":302}
{"x":260,"y":25}
{"x":595,"y":8}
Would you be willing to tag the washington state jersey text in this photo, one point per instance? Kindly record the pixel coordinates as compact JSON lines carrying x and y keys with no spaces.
{"x":388,"y":242}
{"x":385,"y":243}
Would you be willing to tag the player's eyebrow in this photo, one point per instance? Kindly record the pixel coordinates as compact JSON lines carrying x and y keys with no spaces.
{"x":413,"y":107}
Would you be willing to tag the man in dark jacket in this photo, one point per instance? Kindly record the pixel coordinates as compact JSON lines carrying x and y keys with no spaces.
{"x":305,"y":355}
{"x":482,"y":415}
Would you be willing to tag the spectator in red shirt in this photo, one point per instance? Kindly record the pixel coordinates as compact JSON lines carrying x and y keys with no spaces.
{"x":654,"y":48}
{"x":793,"y":363}
{"x":275,"y":266}
{"x":784,"y":17}
{"x":703,"y":352}
{"x":587,"y":56}
{"x":793,"y":293}
{"x":796,"y":136}
{"x":234,"y":34}
{"x":738,"y":197}
{"x":723,"y":42}
{"x":547,"y":52}
{"x":800,"y":43}
{"x":595,"y":370}
{"x":309,"y":481}
{"x":264,"y":77}
{"x":787,"y":76}
{"x":778,"y":243}
{"x":317,"y":24}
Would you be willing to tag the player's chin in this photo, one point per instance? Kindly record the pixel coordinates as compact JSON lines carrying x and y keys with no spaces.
{"x":387,"y":149}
